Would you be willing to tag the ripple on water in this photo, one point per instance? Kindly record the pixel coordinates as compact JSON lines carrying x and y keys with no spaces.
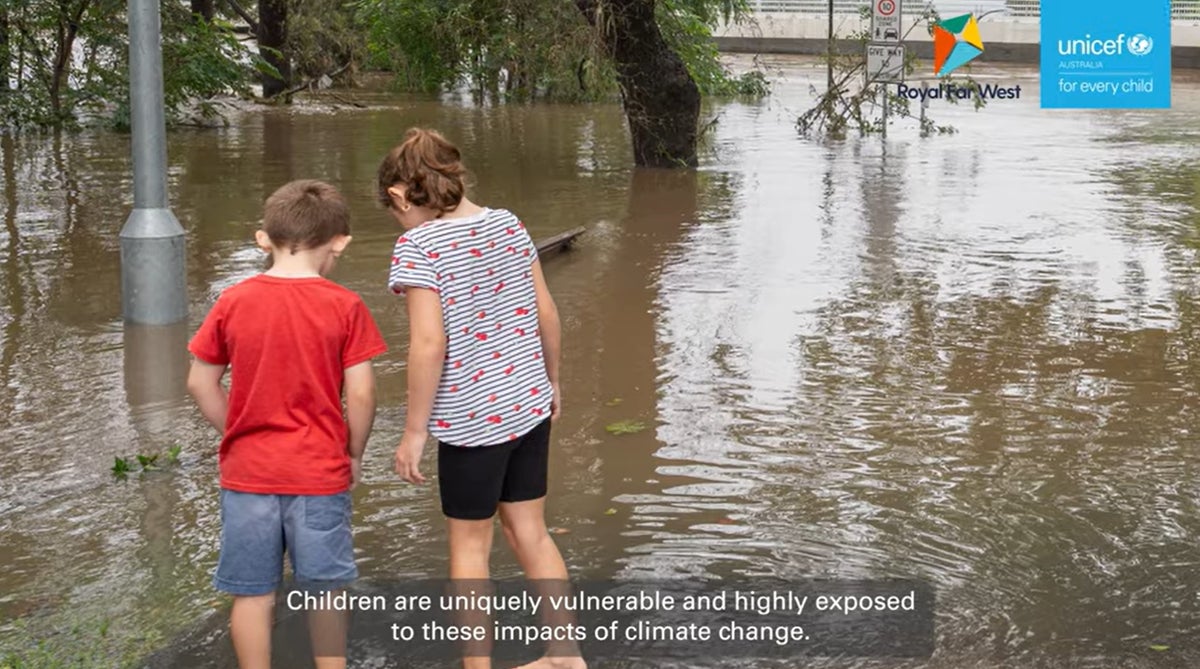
{"x":969,"y":359}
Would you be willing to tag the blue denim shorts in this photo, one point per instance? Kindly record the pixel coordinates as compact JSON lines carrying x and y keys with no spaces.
{"x":256,"y":531}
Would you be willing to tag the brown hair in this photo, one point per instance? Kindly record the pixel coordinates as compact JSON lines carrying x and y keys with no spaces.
{"x":429,"y":167}
{"x":305,"y":214}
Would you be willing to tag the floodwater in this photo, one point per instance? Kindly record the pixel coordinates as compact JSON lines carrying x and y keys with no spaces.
{"x":971,"y":359}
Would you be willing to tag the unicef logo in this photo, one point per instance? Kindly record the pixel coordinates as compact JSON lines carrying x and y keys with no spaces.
{"x":1140,"y":45}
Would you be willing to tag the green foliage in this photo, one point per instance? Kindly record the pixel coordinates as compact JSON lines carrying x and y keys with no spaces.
{"x":147,"y":461}
{"x":202,"y":60}
{"x":323,"y":37}
{"x":48,"y":39}
{"x":509,"y":49}
{"x":70,"y":57}
{"x":415,"y":40}
{"x":851,"y":105}
{"x":711,"y":12}
{"x":70,"y":61}
{"x":530,"y":49}
{"x":687,"y":27}
{"x":122,"y":467}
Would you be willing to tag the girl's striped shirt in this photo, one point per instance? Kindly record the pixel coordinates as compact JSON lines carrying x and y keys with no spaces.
{"x":494,"y":386}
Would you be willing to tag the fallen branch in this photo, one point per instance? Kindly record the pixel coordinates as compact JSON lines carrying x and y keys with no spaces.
{"x":308,"y":84}
{"x":352,"y":103}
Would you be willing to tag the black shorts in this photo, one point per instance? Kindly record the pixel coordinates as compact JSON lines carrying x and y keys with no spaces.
{"x":474,"y":480}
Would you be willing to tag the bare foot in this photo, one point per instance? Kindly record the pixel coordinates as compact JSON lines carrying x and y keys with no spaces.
{"x":556,"y":663}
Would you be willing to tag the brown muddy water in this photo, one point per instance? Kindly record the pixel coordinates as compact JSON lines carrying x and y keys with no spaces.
{"x":971,"y":359}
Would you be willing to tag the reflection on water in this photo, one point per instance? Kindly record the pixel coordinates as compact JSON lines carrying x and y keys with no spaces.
{"x":972,"y":359}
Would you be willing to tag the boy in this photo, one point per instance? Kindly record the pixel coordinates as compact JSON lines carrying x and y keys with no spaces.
{"x":295,"y":341}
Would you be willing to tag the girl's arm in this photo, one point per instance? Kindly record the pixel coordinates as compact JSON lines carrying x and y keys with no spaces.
{"x":426,"y":356}
{"x":550,"y":329}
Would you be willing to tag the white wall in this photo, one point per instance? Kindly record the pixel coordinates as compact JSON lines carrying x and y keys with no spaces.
{"x":992,"y":29}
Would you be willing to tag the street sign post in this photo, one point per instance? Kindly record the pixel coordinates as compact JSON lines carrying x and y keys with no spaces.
{"x":885,"y":63}
{"x":885,"y":21}
{"x":885,"y":53}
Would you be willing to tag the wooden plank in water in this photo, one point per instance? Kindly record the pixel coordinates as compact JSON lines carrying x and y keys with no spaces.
{"x":559,"y":242}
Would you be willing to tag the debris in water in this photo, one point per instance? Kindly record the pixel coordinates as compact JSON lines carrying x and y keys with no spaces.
{"x":120,"y":468}
{"x":625,"y":427}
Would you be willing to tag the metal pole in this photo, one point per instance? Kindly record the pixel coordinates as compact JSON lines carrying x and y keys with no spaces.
{"x":886,"y":102}
{"x":829,"y":49}
{"x":924,"y":99}
{"x":153,"y":267}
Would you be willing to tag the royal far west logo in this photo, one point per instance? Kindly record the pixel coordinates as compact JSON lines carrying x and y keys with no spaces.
{"x":956,"y":42}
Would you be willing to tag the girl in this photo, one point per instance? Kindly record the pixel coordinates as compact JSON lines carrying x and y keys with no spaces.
{"x":482,"y":363}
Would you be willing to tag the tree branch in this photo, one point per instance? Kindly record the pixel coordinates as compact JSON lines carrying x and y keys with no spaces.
{"x":352,"y":103}
{"x":83,"y":6}
{"x":299,"y":87}
{"x":241,"y":11}
{"x":32,"y":42}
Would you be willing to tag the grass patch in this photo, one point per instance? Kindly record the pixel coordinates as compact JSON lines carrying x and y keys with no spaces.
{"x":36,"y":643}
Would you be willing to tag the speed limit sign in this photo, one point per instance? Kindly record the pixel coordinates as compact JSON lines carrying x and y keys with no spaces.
{"x":885,"y":21}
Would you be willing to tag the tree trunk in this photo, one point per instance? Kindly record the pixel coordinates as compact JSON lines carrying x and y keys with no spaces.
{"x":272,"y":43}
{"x":204,"y":9}
{"x":662,"y":102}
{"x":5,"y":52}
{"x":60,"y":76}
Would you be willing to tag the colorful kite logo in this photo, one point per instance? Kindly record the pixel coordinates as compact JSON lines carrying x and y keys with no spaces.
{"x":955,"y":43}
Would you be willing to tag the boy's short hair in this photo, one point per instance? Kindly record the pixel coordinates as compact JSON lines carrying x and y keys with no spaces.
{"x":305,"y":214}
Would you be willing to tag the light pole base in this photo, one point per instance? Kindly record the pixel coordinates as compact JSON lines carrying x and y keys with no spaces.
{"x":153,"y":268}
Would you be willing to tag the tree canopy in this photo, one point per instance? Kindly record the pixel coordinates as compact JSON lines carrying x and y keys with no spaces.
{"x":64,"y":62}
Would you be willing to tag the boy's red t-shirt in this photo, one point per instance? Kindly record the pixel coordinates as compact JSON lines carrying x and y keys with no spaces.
{"x":287,"y":343}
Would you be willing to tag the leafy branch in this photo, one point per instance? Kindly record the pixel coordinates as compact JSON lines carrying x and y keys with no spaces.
{"x":236,"y":8}
{"x":845,"y":106}
{"x":122,"y":467}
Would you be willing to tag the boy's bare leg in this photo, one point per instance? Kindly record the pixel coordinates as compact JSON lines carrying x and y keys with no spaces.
{"x":328,"y":630}
{"x":525,"y":528}
{"x":250,"y":627}
{"x":470,"y":553}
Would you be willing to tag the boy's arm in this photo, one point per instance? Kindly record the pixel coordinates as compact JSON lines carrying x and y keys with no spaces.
{"x":204,"y":384}
{"x":360,"y":406}
{"x":363,"y":342}
{"x":426,"y":356}
{"x":550,"y":330}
